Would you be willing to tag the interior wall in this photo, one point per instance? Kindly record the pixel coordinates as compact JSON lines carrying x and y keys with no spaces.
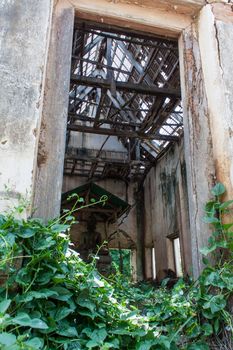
{"x":166,"y":210}
{"x":126,"y":225}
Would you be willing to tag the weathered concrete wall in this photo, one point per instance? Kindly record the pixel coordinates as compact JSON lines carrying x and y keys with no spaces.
{"x":159,"y":17}
{"x":93,"y":142}
{"x":215,"y":28}
{"x":166,"y":210}
{"x":207,"y":77}
{"x":24,"y":33}
{"x":51,"y":149}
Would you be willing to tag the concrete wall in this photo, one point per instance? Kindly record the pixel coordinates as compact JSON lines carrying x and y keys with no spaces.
{"x":51,"y":148}
{"x":92,"y":141}
{"x":24,"y":35}
{"x":166,"y":210}
{"x":207,"y":75}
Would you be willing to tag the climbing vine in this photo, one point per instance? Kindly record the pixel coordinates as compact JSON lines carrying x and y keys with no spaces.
{"x":50,"y":299}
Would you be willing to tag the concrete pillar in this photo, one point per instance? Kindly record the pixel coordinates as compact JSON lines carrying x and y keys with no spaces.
{"x":207,"y":93}
{"x":24,"y":33}
{"x":51,"y":149}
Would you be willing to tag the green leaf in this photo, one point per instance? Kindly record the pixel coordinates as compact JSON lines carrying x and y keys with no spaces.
{"x":218,"y":189}
{"x":208,"y":329}
{"x":205,"y":250}
{"x":205,"y":260}
{"x":4,"y":305}
{"x":26,"y":232}
{"x":43,"y":294}
{"x":24,"y":319}
{"x":44,"y":243}
{"x":211,"y":220}
{"x":23,"y":277}
{"x":84,"y":301}
{"x":62,"y":312}
{"x":225,"y":204}
{"x":215,"y":304}
{"x":69,"y":332}
{"x":7,"y":339}
{"x":60,"y":228}
{"x":99,"y":335}
{"x":227,"y":226}
{"x":214,"y":279}
{"x":36,"y":343}
{"x":64,"y":294}
{"x":145,"y":345}
{"x":216,"y":325}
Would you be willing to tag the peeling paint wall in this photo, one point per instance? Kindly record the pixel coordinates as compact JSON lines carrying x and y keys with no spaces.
{"x":24,"y":33}
{"x":166,"y":210}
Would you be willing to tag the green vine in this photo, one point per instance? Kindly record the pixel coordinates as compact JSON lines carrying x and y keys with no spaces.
{"x":53,"y":300}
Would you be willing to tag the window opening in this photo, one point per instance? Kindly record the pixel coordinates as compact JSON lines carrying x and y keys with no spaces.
{"x":153,"y":264}
{"x":122,"y":259}
{"x":177,"y":256}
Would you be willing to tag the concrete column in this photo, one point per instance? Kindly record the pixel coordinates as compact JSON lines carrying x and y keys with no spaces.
{"x":51,"y":149}
{"x":24,"y":33}
{"x":207,"y":92}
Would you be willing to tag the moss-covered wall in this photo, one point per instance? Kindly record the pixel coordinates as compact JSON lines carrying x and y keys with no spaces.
{"x":166,"y":211}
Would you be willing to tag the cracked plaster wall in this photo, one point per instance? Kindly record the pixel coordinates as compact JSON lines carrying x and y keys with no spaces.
{"x":24,"y":31}
{"x":207,"y":77}
{"x":51,"y":148}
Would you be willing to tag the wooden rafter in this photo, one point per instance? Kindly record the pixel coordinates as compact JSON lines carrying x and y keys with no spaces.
{"x":122,"y":86}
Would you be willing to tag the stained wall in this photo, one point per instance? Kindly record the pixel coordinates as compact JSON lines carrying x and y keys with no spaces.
{"x":24,"y":34}
{"x":166,"y":211}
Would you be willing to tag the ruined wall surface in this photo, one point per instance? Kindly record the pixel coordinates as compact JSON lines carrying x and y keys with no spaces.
{"x":24,"y":32}
{"x":207,"y":75}
{"x":126,"y":225}
{"x":166,"y":209}
{"x":215,"y":27}
{"x":51,"y":147}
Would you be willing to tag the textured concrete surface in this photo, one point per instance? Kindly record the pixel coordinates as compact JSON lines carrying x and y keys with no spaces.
{"x":24,"y":30}
{"x":166,"y":210}
{"x":51,"y":148}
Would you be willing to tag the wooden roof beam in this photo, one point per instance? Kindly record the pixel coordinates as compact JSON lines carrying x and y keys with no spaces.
{"x":121,"y":133}
{"x":126,"y":86}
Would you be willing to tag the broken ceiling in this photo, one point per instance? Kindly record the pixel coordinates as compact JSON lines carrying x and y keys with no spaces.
{"x":125,"y":88}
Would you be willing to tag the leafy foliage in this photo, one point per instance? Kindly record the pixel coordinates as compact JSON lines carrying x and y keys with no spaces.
{"x":50,"y":299}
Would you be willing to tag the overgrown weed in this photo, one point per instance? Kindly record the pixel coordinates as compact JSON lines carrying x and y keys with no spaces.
{"x":53,"y":300}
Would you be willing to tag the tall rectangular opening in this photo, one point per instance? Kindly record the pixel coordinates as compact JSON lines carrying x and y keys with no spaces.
{"x":124,"y":118}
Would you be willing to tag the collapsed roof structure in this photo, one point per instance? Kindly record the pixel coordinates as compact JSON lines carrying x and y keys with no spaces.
{"x":124,"y":87}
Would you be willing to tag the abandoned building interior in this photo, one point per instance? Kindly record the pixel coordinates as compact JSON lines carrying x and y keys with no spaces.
{"x":117,"y":102}
{"x":124,"y":139}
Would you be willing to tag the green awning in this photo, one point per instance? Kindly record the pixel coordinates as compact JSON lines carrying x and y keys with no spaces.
{"x":113,"y":208}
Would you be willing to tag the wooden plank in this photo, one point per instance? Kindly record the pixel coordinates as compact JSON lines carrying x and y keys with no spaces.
{"x":126,"y":86}
{"x":121,"y":133}
{"x":83,"y":118}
